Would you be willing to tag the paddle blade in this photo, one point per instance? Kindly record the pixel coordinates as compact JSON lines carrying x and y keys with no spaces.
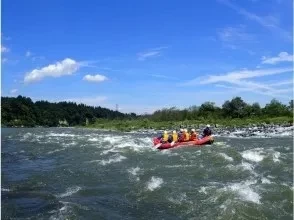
{"x":157,"y":145}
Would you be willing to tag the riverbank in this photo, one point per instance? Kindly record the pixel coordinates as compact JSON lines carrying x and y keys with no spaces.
{"x":133,"y":125}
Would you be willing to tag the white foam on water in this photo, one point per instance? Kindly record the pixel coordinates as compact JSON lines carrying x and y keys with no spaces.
{"x":5,"y":190}
{"x":57,"y":150}
{"x":247,"y":166}
{"x":26,"y":136}
{"x":226,"y":156}
{"x":253,"y":155}
{"x":127,"y":142}
{"x":179,"y":199}
{"x":276,"y":156}
{"x":60,"y":135}
{"x":176,"y":166}
{"x":70,"y":191}
{"x":134,"y":171}
{"x":93,"y":139}
{"x":112,"y":150}
{"x":265,"y":181}
{"x":244,"y":190}
{"x":69,"y":144}
{"x":114,"y":159}
{"x":203,"y":190}
{"x":154,"y":183}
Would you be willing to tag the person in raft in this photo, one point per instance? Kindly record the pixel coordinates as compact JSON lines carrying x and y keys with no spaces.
{"x":193,"y":135}
{"x":181,"y":135}
{"x":164,"y":138}
{"x":175,"y":137}
{"x":186,"y":135}
{"x":206,"y":131}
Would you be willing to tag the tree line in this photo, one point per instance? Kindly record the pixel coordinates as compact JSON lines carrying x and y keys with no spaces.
{"x":18,"y":111}
{"x":235,"y":108}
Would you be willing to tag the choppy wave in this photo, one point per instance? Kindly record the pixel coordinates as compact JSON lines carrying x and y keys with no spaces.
{"x":154,"y":183}
{"x":255,"y":155}
{"x":69,"y":191}
{"x":114,"y":159}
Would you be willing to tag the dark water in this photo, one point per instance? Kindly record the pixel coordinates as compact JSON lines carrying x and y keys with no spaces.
{"x":89,"y":174}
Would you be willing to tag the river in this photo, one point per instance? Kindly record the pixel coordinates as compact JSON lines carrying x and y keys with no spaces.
{"x":76,"y":173}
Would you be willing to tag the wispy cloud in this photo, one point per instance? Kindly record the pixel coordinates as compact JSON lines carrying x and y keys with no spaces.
{"x":233,"y":34}
{"x":155,"y":52}
{"x":235,"y":37}
{"x":282,"y":57}
{"x":238,"y":79}
{"x":28,"y":53}
{"x":161,"y":76}
{"x":95,"y":78}
{"x":268,"y":22}
{"x":4,"y":49}
{"x":65,"y":67}
{"x":13,"y":91}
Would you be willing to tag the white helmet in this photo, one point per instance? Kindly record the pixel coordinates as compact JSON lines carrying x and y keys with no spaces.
{"x":185,"y":130}
{"x":181,"y":130}
{"x":193,"y":130}
{"x":208,"y":126}
{"x":174,"y":132}
{"x":165,"y":132}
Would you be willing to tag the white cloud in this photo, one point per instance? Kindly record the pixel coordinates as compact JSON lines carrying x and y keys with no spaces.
{"x":4,"y":49}
{"x":236,"y":38}
{"x":28,"y":53}
{"x":238,"y":78}
{"x":155,"y":52}
{"x":245,"y":74}
{"x":161,"y":76}
{"x":65,"y":67}
{"x":13,"y":91}
{"x":268,"y":22}
{"x":282,"y":57}
{"x":95,"y":78}
{"x":233,"y":34}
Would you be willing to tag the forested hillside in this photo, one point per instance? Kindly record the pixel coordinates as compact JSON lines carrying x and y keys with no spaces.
{"x":23,"y":111}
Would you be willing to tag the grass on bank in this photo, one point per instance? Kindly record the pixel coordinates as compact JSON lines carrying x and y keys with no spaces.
{"x":129,"y":125}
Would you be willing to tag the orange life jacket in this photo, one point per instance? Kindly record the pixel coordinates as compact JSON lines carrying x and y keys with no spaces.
{"x":193,"y":136}
{"x":187,"y":136}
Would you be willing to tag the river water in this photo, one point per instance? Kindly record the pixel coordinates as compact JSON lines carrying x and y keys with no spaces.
{"x":75,"y":173}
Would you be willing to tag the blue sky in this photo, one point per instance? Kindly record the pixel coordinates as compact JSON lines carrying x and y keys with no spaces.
{"x":146,"y":55}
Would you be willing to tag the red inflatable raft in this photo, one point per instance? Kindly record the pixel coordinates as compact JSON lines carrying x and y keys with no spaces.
{"x":203,"y":141}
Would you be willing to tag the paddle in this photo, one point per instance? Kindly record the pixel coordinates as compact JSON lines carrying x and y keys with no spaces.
{"x":172,"y":143}
{"x":157,"y":145}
